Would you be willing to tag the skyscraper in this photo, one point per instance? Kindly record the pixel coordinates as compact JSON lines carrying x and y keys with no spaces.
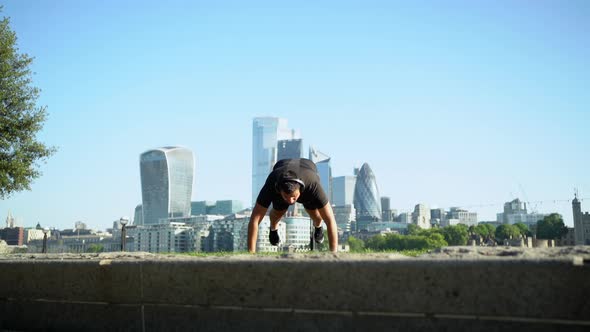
{"x":387,"y":214}
{"x":324,"y":166}
{"x":289,"y":149}
{"x":138,"y":215}
{"x":342,"y":199}
{"x":343,"y":190}
{"x":367,"y":201}
{"x":266,"y":132}
{"x":166,"y":183}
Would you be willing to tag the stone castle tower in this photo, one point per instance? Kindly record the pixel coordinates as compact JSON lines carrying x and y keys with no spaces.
{"x":581,"y":223}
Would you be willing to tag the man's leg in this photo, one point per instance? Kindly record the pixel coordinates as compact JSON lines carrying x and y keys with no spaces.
{"x":315,"y":216}
{"x":318,"y":234}
{"x":275,"y":216}
{"x":273,"y":234}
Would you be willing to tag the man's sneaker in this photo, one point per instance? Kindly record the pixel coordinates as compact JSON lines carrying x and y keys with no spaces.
{"x":318,"y":234}
{"x":273,"y":237}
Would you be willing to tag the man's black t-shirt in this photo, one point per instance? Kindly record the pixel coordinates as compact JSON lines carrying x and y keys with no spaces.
{"x":312,"y":194}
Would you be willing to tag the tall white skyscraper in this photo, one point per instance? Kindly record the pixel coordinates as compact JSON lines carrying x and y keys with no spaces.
{"x":166,"y":183}
{"x":266,"y":132}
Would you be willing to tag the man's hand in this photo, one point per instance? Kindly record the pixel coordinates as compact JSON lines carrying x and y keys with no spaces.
{"x":328,"y":216}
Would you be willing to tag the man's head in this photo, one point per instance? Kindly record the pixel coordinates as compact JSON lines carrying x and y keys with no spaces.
{"x":289,"y":186}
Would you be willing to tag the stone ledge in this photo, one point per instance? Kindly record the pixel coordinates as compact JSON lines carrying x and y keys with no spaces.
{"x":479,"y":288}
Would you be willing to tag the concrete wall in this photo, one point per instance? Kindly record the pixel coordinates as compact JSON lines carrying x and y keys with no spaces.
{"x":289,"y":294}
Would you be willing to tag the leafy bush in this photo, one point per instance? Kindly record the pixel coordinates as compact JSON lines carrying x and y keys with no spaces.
{"x":406,"y":242}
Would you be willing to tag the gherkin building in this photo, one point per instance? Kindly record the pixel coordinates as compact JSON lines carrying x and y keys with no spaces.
{"x":367,"y":201}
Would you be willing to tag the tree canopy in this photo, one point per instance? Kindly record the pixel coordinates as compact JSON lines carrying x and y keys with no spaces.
{"x":523,"y":229}
{"x":427,"y":240}
{"x":506,"y":231}
{"x":486,"y":231}
{"x":551,"y":227}
{"x":413,"y":229}
{"x":20,"y":117}
{"x":456,"y":235}
{"x":355,"y":244}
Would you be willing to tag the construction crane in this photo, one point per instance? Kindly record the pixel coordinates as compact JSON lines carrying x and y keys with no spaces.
{"x":533,"y":209}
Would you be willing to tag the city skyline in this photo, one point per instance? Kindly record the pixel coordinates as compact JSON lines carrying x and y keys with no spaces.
{"x":456,"y":104}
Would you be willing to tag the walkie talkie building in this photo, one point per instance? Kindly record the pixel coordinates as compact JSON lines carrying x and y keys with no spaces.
{"x":166,"y":183}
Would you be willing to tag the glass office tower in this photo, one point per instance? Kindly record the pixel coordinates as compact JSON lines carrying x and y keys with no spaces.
{"x":289,"y":149}
{"x":138,"y":215}
{"x":343,"y":190}
{"x":324,"y":166}
{"x":367,"y":201}
{"x":166,"y":183}
{"x":266,"y":132}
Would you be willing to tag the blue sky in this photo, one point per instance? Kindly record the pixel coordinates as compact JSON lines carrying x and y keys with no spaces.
{"x":452,"y":103}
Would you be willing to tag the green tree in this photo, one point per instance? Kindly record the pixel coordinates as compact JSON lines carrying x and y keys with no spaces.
{"x":506,"y":231}
{"x":436,"y":240}
{"x":376,"y":242}
{"x":486,"y":231}
{"x":456,"y":235}
{"x":356,"y":245}
{"x":20,"y":118}
{"x":523,"y":230}
{"x":471,"y":231}
{"x":406,"y":242}
{"x":95,"y":247}
{"x":491,"y":229}
{"x":551,"y":227}
{"x":413,"y":229}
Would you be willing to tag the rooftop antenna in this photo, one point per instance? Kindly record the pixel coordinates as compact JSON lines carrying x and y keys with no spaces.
{"x":576,"y":194}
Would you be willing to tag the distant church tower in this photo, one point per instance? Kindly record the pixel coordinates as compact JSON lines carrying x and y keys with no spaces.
{"x":578,"y":221}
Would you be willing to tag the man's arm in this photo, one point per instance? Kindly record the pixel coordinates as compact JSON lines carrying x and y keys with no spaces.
{"x":258,"y":214}
{"x":328,"y":216}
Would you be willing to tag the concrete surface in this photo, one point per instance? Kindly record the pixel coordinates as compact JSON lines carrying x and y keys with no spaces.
{"x":455,"y":288}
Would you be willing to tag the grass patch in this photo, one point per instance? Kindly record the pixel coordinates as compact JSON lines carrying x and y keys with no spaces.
{"x":410,"y":253}
{"x":222,"y":254}
{"x":406,"y":252}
